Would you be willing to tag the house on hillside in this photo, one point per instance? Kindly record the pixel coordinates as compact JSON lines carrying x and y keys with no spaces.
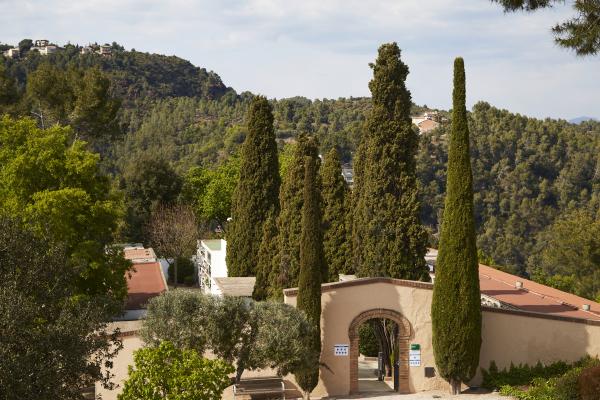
{"x":86,"y":50}
{"x":105,"y":50}
{"x":44,"y":47}
{"x":12,"y":53}
{"x":427,"y":125}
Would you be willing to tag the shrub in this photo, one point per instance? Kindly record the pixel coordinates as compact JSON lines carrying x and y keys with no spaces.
{"x":519,"y":375}
{"x":581,"y":380}
{"x":168,"y":372}
{"x":589,"y":383}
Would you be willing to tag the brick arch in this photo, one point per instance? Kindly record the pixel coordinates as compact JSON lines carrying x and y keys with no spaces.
{"x":403,"y":339}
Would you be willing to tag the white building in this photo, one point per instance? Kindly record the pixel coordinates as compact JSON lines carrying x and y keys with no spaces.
{"x":212,"y":271}
{"x":211,"y":263}
{"x":86,"y":50}
{"x":45,"y":50}
{"x":105,"y":50}
{"x":12,"y":53}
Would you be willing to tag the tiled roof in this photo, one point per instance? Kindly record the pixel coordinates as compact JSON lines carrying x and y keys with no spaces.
{"x":534,"y":297}
{"x":144,"y":281}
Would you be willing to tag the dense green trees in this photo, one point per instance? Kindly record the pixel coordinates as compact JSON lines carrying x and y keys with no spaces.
{"x":336,"y":236}
{"x":148,"y":181}
{"x":567,"y":254}
{"x":456,"y":304}
{"x":167,"y":372}
{"x":312,"y":267}
{"x":210,"y":191}
{"x":289,"y":223}
{"x":74,"y":97}
{"x":527,"y":172}
{"x":388,"y":238}
{"x":256,"y":195}
{"x":54,"y":341}
{"x":56,"y":187}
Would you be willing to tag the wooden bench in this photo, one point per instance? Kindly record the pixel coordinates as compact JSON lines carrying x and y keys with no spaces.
{"x":260,"y":387}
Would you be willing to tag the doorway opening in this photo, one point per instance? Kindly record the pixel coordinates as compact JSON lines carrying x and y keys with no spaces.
{"x":379,"y":341}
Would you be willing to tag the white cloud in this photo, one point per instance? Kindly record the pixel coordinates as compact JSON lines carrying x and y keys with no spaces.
{"x":321,"y":48}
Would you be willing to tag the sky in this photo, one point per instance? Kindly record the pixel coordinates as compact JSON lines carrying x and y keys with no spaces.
{"x":322,"y":48}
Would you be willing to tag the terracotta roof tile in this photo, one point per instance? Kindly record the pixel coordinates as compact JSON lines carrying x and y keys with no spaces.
{"x":144,"y":281}
{"x":534,"y":297}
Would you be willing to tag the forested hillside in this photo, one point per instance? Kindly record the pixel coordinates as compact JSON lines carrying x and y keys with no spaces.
{"x":179,"y":127}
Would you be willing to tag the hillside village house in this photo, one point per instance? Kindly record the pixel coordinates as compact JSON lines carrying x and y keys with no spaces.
{"x":523,"y":322}
{"x":426,"y":122}
{"x":12,"y":53}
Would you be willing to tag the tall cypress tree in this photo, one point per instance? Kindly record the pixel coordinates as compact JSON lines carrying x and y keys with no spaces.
{"x":257,"y":191}
{"x":335,"y":236}
{"x":266,"y":256}
{"x":456,"y":305}
{"x":289,"y":224}
{"x":311,"y":265}
{"x":388,"y":238}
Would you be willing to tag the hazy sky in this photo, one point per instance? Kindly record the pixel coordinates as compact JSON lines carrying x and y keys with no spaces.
{"x":321,"y":48}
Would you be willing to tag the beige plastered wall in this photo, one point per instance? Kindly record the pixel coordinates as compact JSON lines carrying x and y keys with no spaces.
{"x":507,"y":336}
{"x":339,"y":308}
{"x":131,"y":342}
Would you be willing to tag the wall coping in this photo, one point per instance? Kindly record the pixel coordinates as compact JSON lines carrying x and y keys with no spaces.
{"x":328,"y":287}
{"x":532,"y":314}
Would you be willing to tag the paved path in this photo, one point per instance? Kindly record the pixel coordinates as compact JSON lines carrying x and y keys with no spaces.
{"x":432,"y":395}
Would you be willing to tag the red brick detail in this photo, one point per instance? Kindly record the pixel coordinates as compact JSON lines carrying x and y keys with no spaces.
{"x":404,"y":334}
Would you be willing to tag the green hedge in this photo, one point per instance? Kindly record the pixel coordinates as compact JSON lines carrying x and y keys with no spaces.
{"x":581,"y":381}
{"x":493,"y":378}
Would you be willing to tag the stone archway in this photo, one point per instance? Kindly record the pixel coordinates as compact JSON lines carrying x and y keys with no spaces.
{"x":404,"y":335}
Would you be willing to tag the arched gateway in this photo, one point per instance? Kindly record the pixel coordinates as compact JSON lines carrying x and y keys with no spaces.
{"x":346,"y":305}
{"x":404,"y":334}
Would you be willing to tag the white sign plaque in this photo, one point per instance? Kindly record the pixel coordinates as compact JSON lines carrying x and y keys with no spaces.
{"x":414,"y":358}
{"x":340,"y":350}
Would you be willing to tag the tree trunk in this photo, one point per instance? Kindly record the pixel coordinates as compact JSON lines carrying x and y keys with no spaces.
{"x":455,"y":386}
{"x":238,"y":373}
{"x":175,"y":272}
{"x":384,"y":344}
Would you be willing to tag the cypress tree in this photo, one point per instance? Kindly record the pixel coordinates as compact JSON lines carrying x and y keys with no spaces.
{"x":289,"y":223}
{"x":388,"y":238}
{"x":256,"y":194}
{"x":311,"y":265}
{"x":266,"y":255}
{"x":456,"y":305}
{"x":335,"y":236}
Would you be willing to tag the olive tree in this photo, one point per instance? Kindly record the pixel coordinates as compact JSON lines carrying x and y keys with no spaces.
{"x":251,"y":335}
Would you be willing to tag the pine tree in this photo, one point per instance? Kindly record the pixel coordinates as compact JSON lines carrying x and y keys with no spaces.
{"x":266,"y":255}
{"x":388,"y":238}
{"x":289,"y":224}
{"x":456,"y":305}
{"x":311,"y":265}
{"x":335,"y":236}
{"x":257,"y":191}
